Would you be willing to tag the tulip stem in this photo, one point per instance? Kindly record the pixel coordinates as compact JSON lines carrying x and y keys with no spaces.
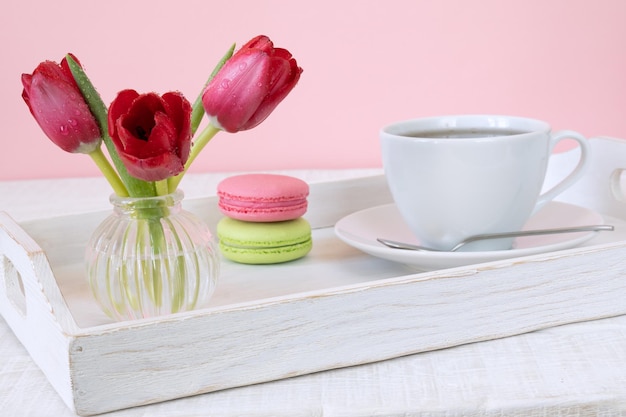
{"x":109,"y":173}
{"x":199,"y":143}
{"x":162,"y":187}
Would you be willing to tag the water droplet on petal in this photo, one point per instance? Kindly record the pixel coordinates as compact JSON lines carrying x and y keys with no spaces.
{"x":64,"y":130}
{"x":73,"y":122}
{"x":243,"y":66}
{"x":225,"y":83}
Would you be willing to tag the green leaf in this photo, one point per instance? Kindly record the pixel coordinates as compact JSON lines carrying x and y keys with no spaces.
{"x":135,"y":186}
{"x":198,"y":109}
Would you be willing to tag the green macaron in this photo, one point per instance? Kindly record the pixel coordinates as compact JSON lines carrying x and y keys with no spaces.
{"x":264,"y":243}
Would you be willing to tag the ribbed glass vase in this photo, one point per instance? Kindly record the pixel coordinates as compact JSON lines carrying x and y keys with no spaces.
{"x":151,"y":258}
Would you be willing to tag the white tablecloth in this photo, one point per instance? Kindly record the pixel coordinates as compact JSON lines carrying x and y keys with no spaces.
{"x":573,"y":370}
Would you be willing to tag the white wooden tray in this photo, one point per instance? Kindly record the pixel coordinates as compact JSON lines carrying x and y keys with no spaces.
{"x":337,"y":307}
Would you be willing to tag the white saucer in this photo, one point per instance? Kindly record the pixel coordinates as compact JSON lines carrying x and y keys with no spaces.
{"x":361,"y":229}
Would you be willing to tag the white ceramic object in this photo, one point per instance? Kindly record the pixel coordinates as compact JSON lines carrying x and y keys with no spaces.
{"x":484,"y":175}
{"x":361,"y":229}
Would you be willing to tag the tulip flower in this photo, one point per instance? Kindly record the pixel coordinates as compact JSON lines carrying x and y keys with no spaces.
{"x":250,"y":85}
{"x":151,"y":133}
{"x":57,"y":105}
{"x":149,"y":137}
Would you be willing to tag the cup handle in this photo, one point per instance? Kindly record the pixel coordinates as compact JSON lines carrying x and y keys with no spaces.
{"x":570,"y":179}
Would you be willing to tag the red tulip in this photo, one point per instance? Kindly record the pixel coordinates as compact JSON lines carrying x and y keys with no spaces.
{"x":250,"y":85}
{"x":152,"y":133}
{"x":59,"y":108}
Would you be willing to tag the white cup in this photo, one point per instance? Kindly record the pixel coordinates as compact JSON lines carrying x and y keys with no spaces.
{"x":452,"y":177}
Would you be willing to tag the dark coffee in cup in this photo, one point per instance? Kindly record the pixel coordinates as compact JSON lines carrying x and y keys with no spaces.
{"x":465,"y":133}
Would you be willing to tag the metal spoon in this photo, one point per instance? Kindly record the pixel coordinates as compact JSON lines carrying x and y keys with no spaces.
{"x":408,"y":246}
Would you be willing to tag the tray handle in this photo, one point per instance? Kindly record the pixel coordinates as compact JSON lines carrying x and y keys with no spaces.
{"x":29,"y":294}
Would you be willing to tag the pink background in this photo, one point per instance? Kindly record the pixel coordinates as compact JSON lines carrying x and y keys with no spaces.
{"x":366,"y":63}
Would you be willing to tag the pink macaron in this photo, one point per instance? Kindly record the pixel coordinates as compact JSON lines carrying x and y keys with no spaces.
{"x":262,"y":197}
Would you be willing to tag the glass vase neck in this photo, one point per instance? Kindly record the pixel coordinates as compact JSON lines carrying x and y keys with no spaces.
{"x":157,"y":206}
